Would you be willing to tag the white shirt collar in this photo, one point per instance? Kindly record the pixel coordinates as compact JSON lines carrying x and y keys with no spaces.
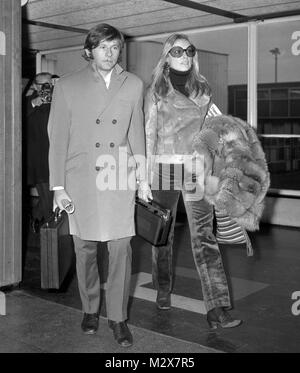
{"x":107,"y":78}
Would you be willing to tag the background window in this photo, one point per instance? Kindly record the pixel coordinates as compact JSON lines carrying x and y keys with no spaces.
{"x":278,"y":97}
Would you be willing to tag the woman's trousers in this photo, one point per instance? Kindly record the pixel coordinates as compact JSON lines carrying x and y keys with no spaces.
{"x":205,"y":249}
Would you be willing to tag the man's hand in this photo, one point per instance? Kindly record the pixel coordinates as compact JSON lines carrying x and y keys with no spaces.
{"x":38,"y":101}
{"x":59,"y":196}
{"x":144,"y":191}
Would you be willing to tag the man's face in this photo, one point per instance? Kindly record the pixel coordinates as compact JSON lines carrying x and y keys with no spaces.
{"x":106,"y":55}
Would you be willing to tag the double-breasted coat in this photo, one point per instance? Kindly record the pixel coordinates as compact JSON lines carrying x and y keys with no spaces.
{"x":93,"y":132}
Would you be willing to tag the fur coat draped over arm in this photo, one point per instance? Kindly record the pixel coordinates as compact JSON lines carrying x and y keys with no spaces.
{"x":236,"y":176}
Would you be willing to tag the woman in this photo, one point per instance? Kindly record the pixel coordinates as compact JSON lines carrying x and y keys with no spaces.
{"x":176,"y":104}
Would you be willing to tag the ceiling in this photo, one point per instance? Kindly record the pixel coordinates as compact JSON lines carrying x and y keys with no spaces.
{"x":51,"y":24}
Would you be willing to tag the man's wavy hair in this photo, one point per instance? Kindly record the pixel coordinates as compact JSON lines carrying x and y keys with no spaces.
{"x":196,"y":83}
{"x":99,"y":33}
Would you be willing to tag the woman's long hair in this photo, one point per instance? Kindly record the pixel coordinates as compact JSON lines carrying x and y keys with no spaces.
{"x":196,"y":83}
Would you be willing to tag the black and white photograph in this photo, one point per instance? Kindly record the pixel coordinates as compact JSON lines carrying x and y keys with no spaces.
{"x":150,"y":179}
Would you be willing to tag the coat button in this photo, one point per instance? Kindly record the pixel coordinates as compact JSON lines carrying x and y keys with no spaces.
{"x":114,"y":121}
{"x":98,"y":121}
{"x":97,"y":144}
{"x":111,"y":144}
{"x":97,"y":168}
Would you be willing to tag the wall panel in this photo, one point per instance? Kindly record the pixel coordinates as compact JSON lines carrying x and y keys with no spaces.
{"x":10,"y":143}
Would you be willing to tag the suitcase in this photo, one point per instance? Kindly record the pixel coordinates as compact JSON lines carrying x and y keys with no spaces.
{"x":57,"y":252}
{"x":152,"y":222}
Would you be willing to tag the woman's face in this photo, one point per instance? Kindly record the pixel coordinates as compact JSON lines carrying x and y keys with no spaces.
{"x":183,"y":63}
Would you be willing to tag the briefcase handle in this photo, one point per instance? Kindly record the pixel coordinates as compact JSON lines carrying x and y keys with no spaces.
{"x":145,"y":204}
{"x":142,"y":202}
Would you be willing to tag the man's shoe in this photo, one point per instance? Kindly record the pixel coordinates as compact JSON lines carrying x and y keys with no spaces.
{"x":219,"y":317}
{"x":121,"y":332}
{"x":163,"y":300}
{"x":90,"y":323}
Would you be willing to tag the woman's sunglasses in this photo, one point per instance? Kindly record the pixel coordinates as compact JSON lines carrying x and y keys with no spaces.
{"x":177,"y":52}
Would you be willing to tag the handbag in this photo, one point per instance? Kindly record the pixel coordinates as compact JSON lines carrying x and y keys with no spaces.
{"x":152,"y":222}
{"x":57,"y":252}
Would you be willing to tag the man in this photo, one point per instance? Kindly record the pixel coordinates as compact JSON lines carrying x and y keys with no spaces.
{"x":37,"y":108}
{"x":97,"y":113}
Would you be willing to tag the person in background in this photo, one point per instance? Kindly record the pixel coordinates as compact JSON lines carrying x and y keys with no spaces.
{"x":37,"y":109}
{"x":96,"y":121}
{"x":176,"y":105}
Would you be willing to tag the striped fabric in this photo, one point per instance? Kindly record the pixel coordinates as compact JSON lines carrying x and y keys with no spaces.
{"x":213,"y":111}
{"x":229,"y":232}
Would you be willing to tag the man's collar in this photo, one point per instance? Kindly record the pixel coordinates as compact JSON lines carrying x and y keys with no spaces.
{"x":107,"y":78}
{"x":117,"y":70}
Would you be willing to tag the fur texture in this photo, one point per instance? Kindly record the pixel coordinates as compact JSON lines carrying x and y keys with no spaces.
{"x":236,"y":172}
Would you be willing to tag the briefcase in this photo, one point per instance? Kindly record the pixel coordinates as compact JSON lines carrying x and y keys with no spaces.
{"x":152,"y":222}
{"x":57,"y":252}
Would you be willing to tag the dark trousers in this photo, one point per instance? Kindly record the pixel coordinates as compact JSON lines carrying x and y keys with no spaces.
{"x":44,"y":207}
{"x":118,"y":280}
{"x":205,"y":248}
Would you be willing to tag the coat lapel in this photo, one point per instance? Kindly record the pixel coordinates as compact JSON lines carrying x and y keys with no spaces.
{"x":118,"y":77}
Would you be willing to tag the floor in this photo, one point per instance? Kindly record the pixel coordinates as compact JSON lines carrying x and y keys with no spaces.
{"x":261,"y":287}
{"x":35,"y":325}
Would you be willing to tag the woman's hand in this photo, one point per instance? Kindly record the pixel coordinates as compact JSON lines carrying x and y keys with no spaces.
{"x":144,"y":191}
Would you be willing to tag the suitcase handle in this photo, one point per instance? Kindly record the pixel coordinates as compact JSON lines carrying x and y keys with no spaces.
{"x":57,"y":214}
